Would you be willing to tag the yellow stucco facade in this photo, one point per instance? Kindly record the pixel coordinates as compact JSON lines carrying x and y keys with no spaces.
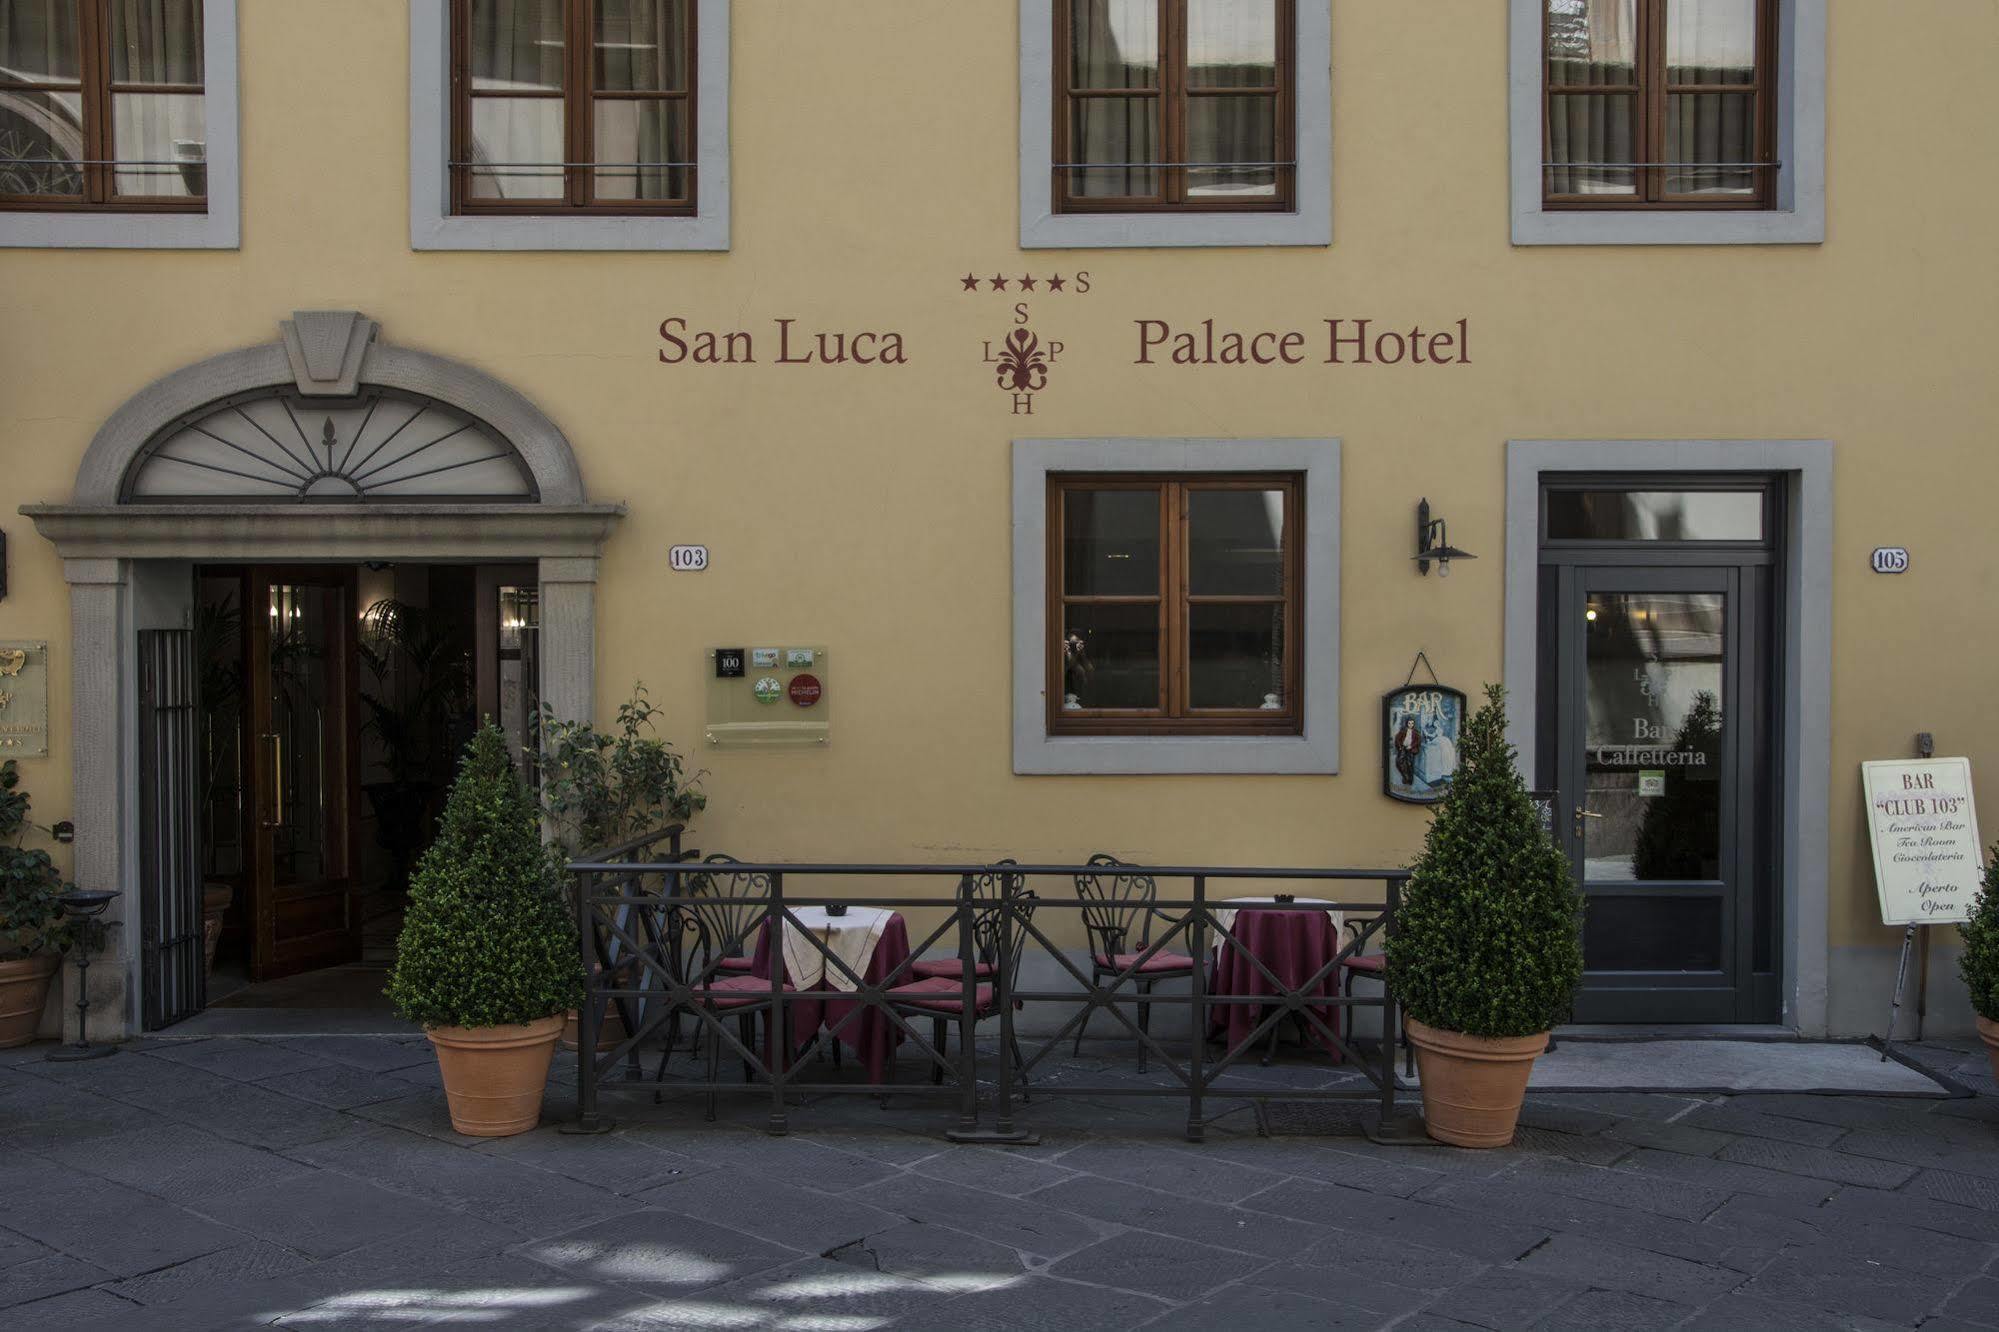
{"x":868,"y":507}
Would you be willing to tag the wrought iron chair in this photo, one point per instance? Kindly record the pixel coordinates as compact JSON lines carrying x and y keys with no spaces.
{"x":743,"y":996}
{"x":997,"y":950}
{"x":1374,"y":967}
{"x":972,"y":890}
{"x":1118,"y":904}
{"x":710,"y":932}
{"x":729,"y":921}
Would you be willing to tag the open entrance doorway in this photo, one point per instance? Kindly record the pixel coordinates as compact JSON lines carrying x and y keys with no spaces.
{"x":327,"y":448}
{"x":331,"y":704}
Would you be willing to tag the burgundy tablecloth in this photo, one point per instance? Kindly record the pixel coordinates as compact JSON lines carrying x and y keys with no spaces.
{"x":872,"y":1035}
{"x":1294,"y":945}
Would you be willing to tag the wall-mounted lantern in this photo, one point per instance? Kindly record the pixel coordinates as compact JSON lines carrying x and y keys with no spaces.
{"x":1433,"y":543}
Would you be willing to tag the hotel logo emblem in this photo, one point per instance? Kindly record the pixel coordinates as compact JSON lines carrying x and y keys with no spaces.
{"x":1023,"y":368}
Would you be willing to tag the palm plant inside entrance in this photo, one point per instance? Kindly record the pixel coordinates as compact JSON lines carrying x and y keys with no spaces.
{"x":420,"y":690}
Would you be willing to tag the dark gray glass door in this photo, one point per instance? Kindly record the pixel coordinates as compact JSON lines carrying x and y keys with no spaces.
{"x":1661,"y":685}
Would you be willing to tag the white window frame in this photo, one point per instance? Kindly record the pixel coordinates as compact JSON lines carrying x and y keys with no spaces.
{"x":1042,"y":228}
{"x":433,"y":226}
{"x":219,"y":228}
{"x":1798,"y":214}
{"x":1317,"y":748}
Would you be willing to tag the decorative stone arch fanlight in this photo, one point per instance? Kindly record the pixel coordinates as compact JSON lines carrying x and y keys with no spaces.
{"x":328,"y":368}
{"x":326,"y":445}
{"x":330,"y":444}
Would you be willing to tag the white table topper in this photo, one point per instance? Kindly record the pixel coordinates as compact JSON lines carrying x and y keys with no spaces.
{"x":851,"y":937}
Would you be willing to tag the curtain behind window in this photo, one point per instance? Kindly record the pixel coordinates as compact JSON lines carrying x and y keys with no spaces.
{"x":159,"y":138}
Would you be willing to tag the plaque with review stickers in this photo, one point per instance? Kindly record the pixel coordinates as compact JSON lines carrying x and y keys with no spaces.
{"x":756,"y":703}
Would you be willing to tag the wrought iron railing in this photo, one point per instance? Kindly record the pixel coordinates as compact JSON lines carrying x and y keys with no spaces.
{"x":658,"y":950}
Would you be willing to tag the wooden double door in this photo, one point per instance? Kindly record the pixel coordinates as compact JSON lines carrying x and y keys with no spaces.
{"x":299,"y":739}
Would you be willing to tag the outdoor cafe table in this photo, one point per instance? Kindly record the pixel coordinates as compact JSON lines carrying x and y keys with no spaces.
{"x":1293,"y":944}
{"x":870,"y":940}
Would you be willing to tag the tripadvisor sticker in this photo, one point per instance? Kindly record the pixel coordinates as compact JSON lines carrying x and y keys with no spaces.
{"x":1651,"y":782}
{"x":768,"y":689}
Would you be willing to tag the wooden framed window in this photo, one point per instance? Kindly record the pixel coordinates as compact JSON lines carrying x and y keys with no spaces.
{"x":1659,"y":104}
{"x":573,"y":106}
{"x":1176,"y":105}
{"x":1173,"y":604}
{"x":102,"y":107}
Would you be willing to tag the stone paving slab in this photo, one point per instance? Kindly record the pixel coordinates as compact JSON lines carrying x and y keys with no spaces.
{"x":314,"y":1182}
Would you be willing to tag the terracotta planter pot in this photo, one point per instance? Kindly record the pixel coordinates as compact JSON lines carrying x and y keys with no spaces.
{"x":494,"y":1076}
{"x":215,"y":899}
{"x":1473,"y":1085}
{"x":24,"y":990}
{"x":1988,"y":1031}
{"x":609,"y":1031}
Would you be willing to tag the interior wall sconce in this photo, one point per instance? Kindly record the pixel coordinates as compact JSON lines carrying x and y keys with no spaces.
{"x":1433,"y":543}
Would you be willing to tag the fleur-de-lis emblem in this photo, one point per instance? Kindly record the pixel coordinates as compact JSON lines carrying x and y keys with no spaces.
{"x":1023,"y":368}
{"x":12,"y":660}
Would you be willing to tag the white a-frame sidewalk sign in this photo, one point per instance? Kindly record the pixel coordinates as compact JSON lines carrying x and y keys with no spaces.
{"x":1923,"y":824}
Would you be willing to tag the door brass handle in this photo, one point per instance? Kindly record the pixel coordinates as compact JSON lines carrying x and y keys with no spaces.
{"x":1582,"y":814}
{"x":275,"y":803}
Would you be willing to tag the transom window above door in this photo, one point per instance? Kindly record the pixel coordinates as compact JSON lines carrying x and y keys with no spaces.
{"x":1664,"y":104}
{"x":1173,"y":604}
{"x":573,"y":106}
{"x":102,"y":106}
{"x":1173,"y":105}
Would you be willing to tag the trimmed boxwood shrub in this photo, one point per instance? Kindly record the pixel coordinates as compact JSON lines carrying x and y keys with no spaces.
{"x":1979,"y":963}
{"x":1488,"y":939}
{"x":486,"y":940}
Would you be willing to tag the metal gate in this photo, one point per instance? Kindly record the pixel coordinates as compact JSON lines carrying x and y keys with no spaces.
{"x":173,"y":961}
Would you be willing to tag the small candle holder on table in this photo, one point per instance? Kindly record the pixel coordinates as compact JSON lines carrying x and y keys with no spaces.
{"x":84,"y":906}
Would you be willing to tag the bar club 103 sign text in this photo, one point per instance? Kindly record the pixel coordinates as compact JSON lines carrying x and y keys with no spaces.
{"x":1923,"y":824}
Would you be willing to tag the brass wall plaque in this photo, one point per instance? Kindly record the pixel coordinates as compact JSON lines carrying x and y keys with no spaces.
{"x":24,"y":700}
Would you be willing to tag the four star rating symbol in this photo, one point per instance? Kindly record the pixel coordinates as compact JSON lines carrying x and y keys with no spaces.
{"x":1025,"y":282}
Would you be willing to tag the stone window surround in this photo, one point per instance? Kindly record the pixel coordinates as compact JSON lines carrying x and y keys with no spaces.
{"x":220,"y":228}
{"x":1804,"y":466}
{"x":1317,"y":750}
{"x":108,"y":551}
{"x":1041,"y":227}
{"x":433,"y":226}
{"x":1799,"y":215}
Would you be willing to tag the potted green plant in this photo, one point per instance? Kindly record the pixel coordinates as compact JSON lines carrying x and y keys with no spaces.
{"x":31,"y":929}
{"x":1979,"y":962}
{"x":1486,"y":951}
{"x":601,"y":789}
{"x":487,"y":962}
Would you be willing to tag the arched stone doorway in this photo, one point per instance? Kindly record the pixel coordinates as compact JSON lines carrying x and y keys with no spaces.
{"x":326,"y":446}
